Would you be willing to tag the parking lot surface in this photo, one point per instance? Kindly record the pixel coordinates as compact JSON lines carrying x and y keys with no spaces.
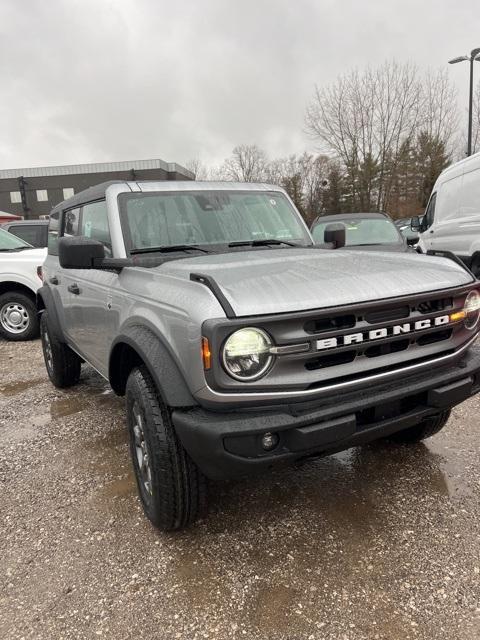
{"x":381,"y":542}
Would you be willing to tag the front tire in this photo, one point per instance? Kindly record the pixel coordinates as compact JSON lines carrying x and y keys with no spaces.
{"x":63,"y":365}
{"x":171,"y":487}
{"x":422,"y":430}
{"x":18,"y":316}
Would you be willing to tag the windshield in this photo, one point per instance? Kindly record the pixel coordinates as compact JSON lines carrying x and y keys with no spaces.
{"x":205,"y":218}
{"x":9,"y":242}
{"x":362,"y":231}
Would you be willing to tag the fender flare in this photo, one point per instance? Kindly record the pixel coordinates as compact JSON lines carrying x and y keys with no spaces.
{"x":140,"y":344}
{"x":46,"y":301}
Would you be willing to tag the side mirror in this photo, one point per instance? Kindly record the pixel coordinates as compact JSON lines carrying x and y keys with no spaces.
{"x":335,"y":234}
{"x":415,"y":223}
{"x":80,"y":253}
{"x":412,"y":241}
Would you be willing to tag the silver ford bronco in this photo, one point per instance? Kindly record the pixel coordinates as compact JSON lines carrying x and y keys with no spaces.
{"x":239,"y":344}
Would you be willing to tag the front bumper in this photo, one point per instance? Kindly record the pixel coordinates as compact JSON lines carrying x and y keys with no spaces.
{"x":228,"y":444}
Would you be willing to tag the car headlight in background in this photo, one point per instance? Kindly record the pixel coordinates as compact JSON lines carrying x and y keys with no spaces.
{"x":246,"y":354}
{"x":472,"y":309}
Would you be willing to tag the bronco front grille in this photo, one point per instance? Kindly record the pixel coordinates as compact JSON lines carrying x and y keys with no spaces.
{"x":351,"y":342}
{"x":376,"y":315}
{"x":381,"y":333}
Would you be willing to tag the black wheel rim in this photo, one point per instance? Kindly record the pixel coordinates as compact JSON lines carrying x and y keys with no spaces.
{"x":47,"y":350}
{"x":140,"y":452}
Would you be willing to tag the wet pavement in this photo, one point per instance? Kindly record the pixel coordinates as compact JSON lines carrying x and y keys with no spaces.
{"x":380,"y":542}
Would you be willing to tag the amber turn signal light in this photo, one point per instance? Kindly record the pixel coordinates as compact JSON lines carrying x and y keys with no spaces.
{"x":206,"y":354}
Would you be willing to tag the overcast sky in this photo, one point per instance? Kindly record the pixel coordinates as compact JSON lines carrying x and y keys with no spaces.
{"x":100,"y":80}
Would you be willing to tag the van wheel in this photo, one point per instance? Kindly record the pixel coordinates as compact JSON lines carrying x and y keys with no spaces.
{"x":63,"y":365}
{"x":422,"y":430}
{"x":18,"y":316}
{"x":171,"y":487}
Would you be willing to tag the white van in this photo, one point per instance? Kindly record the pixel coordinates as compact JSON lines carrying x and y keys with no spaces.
{"x":452,"y":217}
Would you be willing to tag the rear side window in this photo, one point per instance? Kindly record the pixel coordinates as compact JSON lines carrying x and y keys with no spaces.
{"x":470,"y":195}
{"x":53,"y":231}
{"x":34,"y":234}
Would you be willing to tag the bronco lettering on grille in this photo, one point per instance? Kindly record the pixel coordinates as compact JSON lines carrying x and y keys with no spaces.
{"x":383,"y":332}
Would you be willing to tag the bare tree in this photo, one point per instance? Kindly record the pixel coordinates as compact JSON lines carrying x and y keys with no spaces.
{"x":316,"y":172}
{"x":304,"y":177}
{"x":248,"y":163}
{"x":372,"y":122}
{"x":439,"y":107}
{"x":199,"y":169}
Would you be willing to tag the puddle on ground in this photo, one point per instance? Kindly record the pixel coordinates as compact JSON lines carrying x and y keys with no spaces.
{"x":113,"y":439}
{"x":115,"y":497}
{"x":12,"y":388}
{"x":449,"y":480}
{"x":109,"y":456}
{"x":119,"y":488}
{"x":66,"y":407}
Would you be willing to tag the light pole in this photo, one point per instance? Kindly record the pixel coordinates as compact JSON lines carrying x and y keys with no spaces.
{"x":474,"y":55}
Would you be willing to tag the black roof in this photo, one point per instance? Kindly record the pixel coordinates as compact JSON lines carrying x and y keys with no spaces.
{"x":87,"y":195}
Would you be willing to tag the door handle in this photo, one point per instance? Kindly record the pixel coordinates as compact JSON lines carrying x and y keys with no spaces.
{"x":53,"y":280}
{"x":74,"y":288}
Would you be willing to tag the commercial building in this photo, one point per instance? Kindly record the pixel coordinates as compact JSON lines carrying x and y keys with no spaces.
{"x":32,"y":193}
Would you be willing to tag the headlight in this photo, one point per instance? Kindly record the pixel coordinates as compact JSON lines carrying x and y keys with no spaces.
{"x":472,"y":309}
{"x":246,"y":354}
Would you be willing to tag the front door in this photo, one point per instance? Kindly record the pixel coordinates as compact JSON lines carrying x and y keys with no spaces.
{"x":89,"y":320}
{"x":426,"y":237}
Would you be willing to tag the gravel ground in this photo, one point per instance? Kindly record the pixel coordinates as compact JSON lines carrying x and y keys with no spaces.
{"x":378,"y":542}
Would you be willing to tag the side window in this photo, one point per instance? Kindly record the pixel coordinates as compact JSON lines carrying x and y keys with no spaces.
{"x":429,"y":213}
{"x":72,"y":219}
{"x":94,"y":224}
{"x":90,"y":221}
{"x":470,"y":195}
{"x":27,"y":232}
{"x":53,"y":230}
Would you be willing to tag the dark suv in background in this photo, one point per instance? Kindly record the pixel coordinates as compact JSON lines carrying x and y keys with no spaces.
{"x":35,"y":232}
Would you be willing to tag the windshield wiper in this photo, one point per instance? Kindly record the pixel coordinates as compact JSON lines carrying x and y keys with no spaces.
{"x":261,"y":243}
{"x":169,"y":248}
{"x":13,"y":249}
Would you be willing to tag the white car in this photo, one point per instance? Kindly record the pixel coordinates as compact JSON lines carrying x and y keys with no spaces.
{"x":452,"y":218}
{"x":20,"y":279}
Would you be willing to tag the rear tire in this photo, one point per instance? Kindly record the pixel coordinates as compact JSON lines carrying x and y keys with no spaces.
{"x":63,"y":365}
{"x":18,"y":317}
{"x":422,"y":430}
{"x":172,"y":489}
